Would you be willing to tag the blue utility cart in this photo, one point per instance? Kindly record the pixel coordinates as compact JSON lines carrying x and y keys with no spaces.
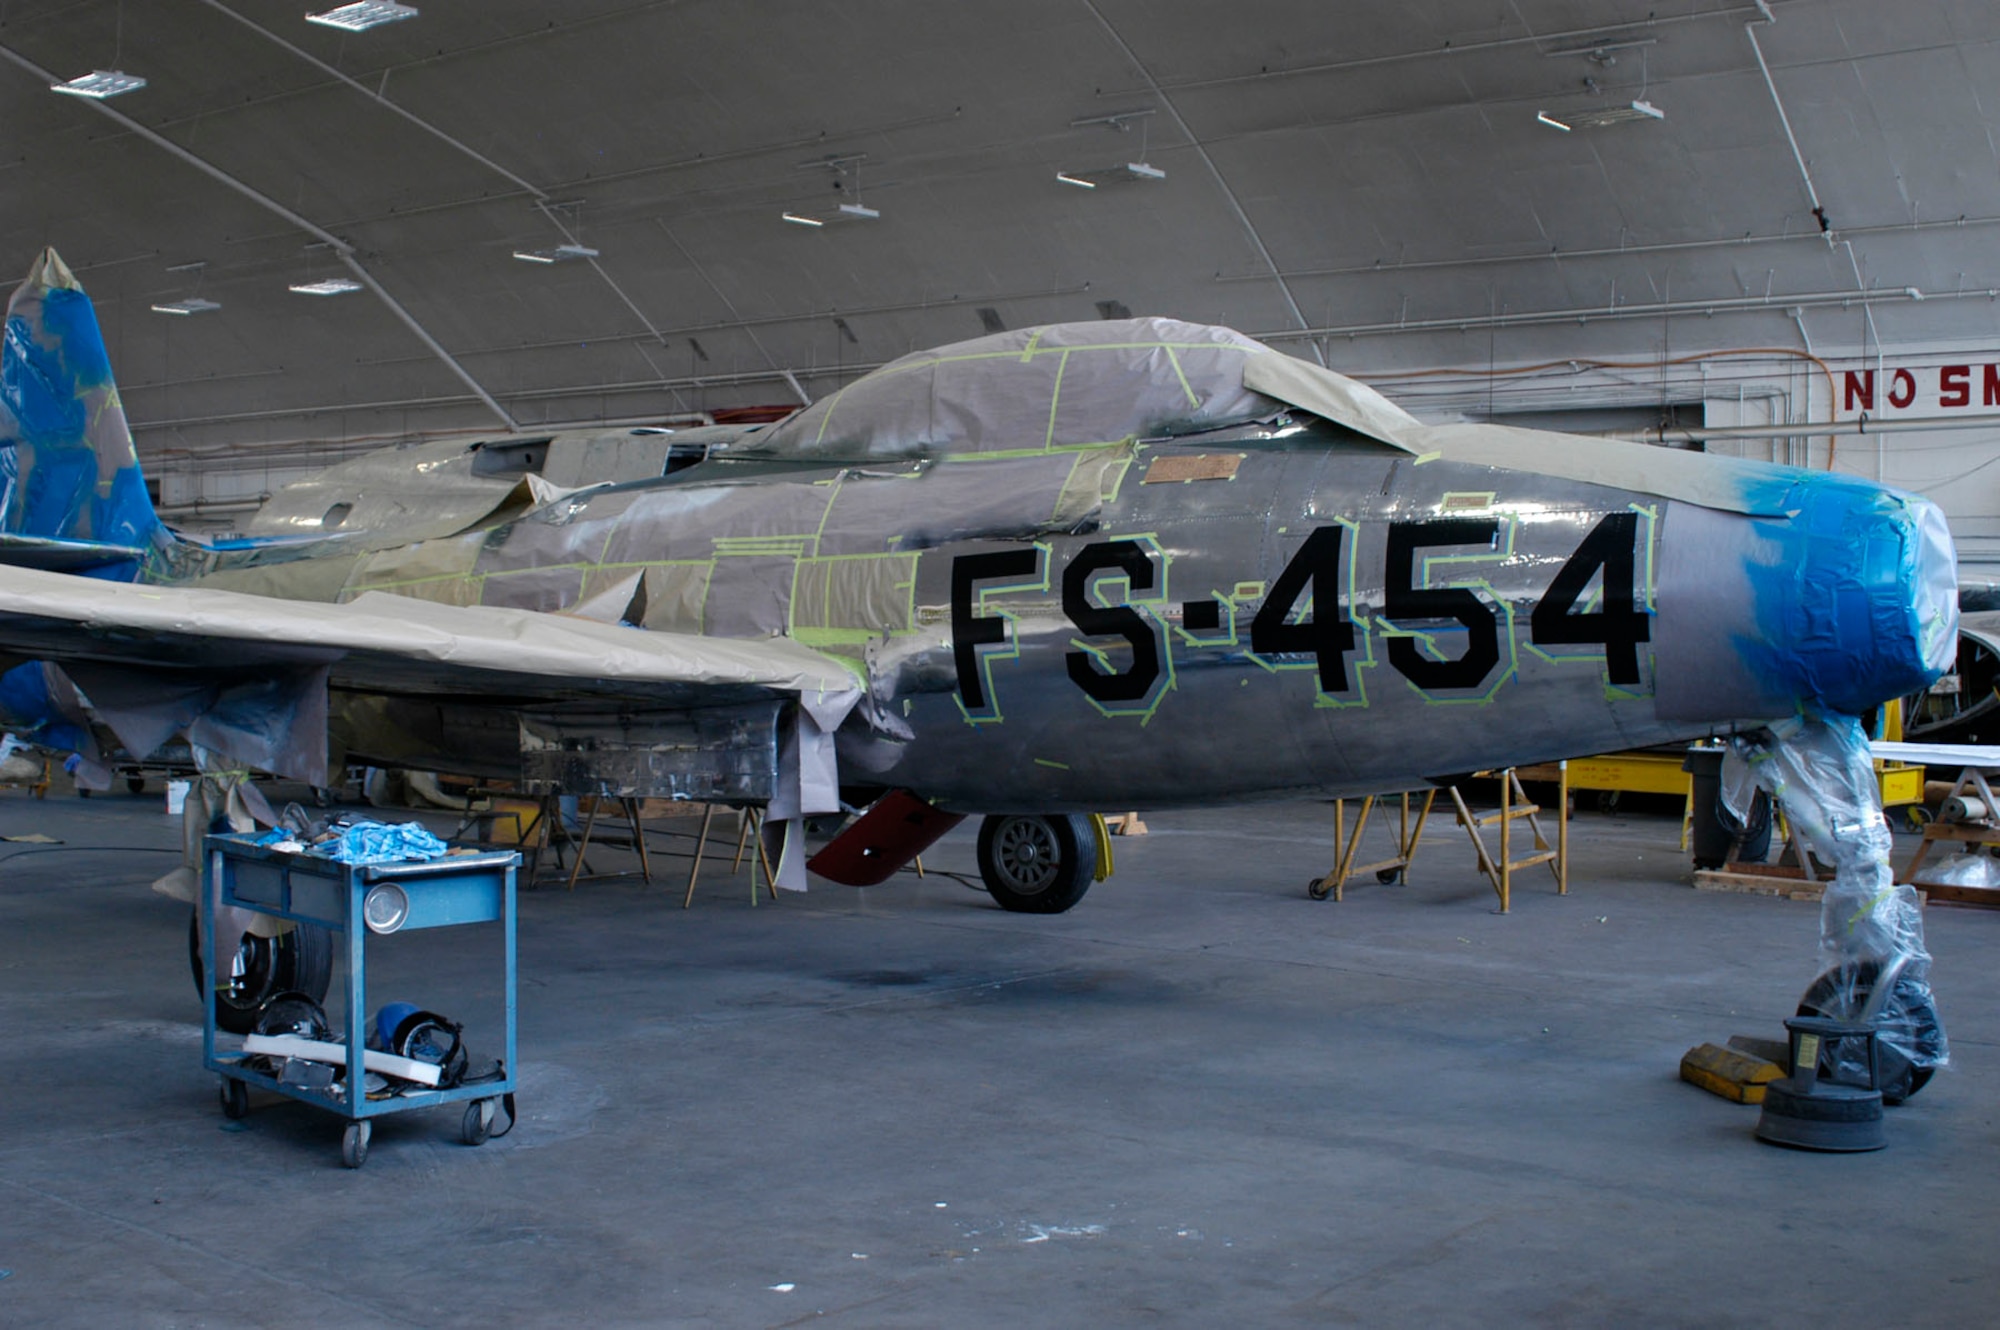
{"x":353,"y":901}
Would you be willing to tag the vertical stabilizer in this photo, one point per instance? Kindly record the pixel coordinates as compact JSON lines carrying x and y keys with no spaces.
{"x":71,"y":493}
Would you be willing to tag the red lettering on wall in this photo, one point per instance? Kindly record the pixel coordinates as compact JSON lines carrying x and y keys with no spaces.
{"x":1861,"y":387}
{"x":1955,"y":385}
{"x":1991,"y":395}
{"x":1902,"y":388}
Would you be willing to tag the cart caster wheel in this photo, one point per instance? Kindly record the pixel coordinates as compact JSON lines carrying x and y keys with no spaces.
{"x":1388,"y":875}
{"x":235,"y":1099}
{"x":1319,"y":889}
{"x":136,"y":784}
{"x":477,"y":1124}
{"x":354,"y":1144}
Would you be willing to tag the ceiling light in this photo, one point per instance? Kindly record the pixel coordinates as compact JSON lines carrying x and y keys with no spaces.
{"x":326,"y":286}
{"x":560,"y":254}
{"x":363,"y":16}
{"x":189,"y":305}
{"x":839,"y":165}
{"x":1123,"y":174}
{"x":99,"y":84}
{"x":846,"y":212}
{"x":1597,"y":117}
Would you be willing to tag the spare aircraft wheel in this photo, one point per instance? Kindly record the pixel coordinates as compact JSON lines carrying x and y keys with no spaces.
{"x":260,"y":968}
{"x":1037,"y":864}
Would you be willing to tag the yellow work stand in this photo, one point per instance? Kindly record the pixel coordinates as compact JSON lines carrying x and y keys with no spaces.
{"x":1499,"y":869}
{"x":1516,"y":807}
{"x":1334,"y":884}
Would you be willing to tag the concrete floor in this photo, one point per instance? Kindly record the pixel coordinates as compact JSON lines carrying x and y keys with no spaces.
{"x":1198,"y":1097}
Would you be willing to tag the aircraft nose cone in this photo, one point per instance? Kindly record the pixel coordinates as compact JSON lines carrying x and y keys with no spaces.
{"x":1859,"y":601}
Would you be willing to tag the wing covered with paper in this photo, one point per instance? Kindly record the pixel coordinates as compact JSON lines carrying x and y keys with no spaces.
{"x":248,"y":678}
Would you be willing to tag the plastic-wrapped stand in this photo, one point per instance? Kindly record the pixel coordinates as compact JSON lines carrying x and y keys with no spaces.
{"x":1873,"y":965}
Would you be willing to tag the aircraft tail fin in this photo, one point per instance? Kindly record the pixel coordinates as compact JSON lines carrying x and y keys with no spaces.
{"x":71,"y":492}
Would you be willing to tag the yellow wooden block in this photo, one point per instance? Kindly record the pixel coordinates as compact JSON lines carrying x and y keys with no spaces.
{"x":1724,"y":1071}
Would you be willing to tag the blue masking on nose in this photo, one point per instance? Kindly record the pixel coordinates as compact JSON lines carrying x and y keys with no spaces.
{"x":1857,"y":597}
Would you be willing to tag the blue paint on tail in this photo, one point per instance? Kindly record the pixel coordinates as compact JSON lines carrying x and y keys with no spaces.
{"x":70,"y":482}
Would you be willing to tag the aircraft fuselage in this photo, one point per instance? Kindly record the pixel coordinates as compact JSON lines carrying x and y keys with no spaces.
{"x":1251,"y":613}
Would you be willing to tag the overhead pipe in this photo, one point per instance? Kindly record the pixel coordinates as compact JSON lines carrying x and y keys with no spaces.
{"x":1649,"y":310}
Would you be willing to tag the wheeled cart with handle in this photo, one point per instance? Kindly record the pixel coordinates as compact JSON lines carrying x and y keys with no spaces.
{"x":356,"y":901}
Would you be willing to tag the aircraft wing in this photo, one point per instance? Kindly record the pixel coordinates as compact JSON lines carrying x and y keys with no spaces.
{"x":396,"y":644}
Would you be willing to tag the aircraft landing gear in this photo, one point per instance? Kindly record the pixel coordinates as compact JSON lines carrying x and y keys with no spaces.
{"x":1036,"y":864}
{"x":1904,"y":1010}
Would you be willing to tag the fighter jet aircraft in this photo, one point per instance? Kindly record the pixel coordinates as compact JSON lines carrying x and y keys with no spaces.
{"x":1134,"y":563}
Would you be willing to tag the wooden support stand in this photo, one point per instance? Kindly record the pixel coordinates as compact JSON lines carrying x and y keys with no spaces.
{"x":1499,"y":869}
{"x":748,"y":821}
{"x":1976,"y":835}
{"x":1515,"y":807}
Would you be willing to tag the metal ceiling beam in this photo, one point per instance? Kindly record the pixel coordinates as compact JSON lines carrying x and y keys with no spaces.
{"x":1649,"y":310}
{"x":271,"y":205}
{"x":1228,"y":194}
{"x":762,"y":321}
{"x":1379,"y":269}
{"x":1531,"y":39}
{"x":1799,"y":429}
{"x":379,"y":99}
{"x":1785,"y":121}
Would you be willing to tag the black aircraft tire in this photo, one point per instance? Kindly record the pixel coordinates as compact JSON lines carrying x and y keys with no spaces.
{"x":1037,"y":864}
{"x":300,"y":961}
{"x":1907,"y":1008}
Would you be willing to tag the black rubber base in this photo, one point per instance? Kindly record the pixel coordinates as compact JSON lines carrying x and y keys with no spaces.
{"x":1834,"y":1118}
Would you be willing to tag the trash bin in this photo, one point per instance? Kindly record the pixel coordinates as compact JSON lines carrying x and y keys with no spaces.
{"x":1713,"y":830}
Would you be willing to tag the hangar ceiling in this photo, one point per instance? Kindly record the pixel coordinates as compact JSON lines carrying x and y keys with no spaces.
{"x":1372,"y":184}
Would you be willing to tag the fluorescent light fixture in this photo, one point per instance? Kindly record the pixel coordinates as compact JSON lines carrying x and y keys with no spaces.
{"x":99,"y":84}
{"x":326,"y":286}
{"x":191,"y":305}
{"x":846,"y":212}
{"x":363,"y":16}
{"x":1597,"y":117}
{"x":560,"y":254}
{"x":1125,"y":173}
